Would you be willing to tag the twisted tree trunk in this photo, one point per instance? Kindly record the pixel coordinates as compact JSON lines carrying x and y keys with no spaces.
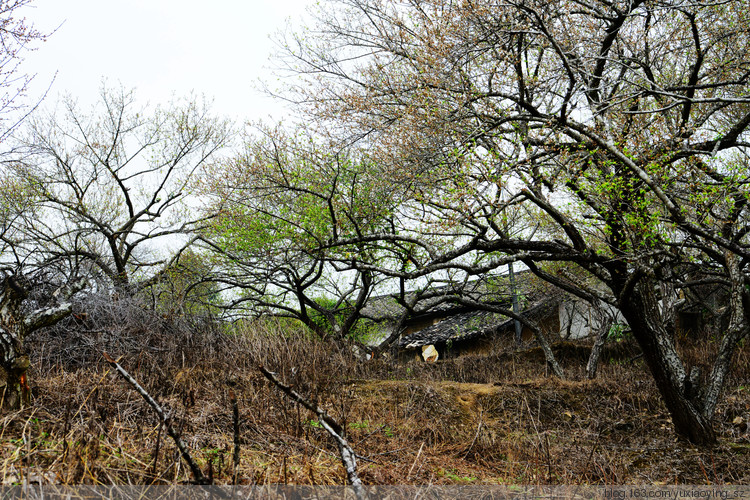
{"x":15,"y":325}
{"x":673,"y":381}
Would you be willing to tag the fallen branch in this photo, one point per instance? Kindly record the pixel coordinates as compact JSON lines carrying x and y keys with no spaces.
{"x":635,"y":358}
{"x":197,"y":473}
{"x":348,"y":457}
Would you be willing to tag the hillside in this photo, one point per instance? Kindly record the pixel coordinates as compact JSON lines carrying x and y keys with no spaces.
{"x":493,"y":420}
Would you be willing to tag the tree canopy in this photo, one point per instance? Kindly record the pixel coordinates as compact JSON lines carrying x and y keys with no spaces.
{"x":613,"y":133}
{"x":277,"y":206}
{"x":110,"y":187}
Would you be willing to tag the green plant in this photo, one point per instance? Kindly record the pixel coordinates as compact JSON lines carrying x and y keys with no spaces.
{"x":314,"y":423}
{"x":453,"y":475}
{"x":619,"y":332}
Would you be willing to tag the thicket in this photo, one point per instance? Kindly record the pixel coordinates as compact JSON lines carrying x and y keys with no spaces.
{"x":495,"y":419}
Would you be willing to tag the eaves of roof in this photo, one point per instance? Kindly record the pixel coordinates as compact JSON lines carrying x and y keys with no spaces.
{"x":387,"y":307}
{"x":465,"y":326}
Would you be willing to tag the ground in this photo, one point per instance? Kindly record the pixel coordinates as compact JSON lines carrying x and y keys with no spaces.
{"x":473,"y":420}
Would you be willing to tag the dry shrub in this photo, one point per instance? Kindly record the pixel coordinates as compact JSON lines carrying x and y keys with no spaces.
{"x":124,"y":326}
{"x":472,"y":419}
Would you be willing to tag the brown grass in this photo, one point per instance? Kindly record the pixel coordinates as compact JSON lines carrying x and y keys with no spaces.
{"x":471,"y":420}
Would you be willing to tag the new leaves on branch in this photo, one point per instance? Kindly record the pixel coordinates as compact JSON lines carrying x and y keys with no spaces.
{"x":278,"y":207}
{"x":615,"y":132}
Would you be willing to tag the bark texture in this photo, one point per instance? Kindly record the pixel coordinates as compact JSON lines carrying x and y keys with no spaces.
{"x":596,"y":350}
{"x":15,"y":325}
{"x":13,"y":359}
{"x":675,"y":385}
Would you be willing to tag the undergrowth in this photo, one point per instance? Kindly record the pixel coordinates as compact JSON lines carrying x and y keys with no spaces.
{"x":497,"y":419}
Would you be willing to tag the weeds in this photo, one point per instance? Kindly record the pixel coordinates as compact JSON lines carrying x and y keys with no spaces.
{"x":469,"y":420}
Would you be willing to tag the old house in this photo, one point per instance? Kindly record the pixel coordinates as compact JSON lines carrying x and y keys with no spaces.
{"x":440,"y":326}
{"x":476,"y":331}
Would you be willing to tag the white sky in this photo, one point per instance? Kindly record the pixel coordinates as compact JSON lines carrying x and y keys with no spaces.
{"x":162,"y":48}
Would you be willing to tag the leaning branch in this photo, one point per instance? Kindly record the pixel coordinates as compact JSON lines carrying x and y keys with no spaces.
{"x":48,"y":316}
{"x":331,"y":426}
{"x":197,"y":473}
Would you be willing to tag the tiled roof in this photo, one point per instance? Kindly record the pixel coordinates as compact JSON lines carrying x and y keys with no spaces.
{"x":386,"y":307}
{"x":455,"y":328}
{"x":469,"y":325}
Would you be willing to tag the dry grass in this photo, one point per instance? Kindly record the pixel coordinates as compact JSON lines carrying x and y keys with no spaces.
{"x":493,"y":420}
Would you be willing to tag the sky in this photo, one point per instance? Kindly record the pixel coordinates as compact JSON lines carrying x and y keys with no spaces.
{"x":162,"y":48}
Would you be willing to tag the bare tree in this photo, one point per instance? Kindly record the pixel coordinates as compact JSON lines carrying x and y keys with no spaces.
{"x":16,"y":36}
{"x":112,"y":188}
{"x":17,"y":318}
{"x":620,"y":125}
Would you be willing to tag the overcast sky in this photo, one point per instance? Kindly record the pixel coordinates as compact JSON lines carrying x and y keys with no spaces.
{"x":160,"y":47}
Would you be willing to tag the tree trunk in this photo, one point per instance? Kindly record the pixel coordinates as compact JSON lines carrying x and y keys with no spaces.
{"x":739,"y":301}
{"x":15,"y":326}
{"x":549,"y":356}
{"x":13,"y":359}
{"x":14,"y":389}
{"x":596,"y":350}
{"x":641,"y":309}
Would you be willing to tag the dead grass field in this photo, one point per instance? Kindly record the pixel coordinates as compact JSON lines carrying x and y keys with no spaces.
{"x":491,"y":420}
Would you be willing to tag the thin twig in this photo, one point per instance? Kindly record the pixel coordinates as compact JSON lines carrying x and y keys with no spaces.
{"x":197,"y":473}
{"x":348,"y":457}
{"x":419,"y":453}
{"x":476,"y":435}
{"x":158,"y":445}
{"x":236,"y":427}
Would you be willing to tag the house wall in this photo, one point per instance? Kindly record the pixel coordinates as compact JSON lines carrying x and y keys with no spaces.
{"x":484,"y":345}
{"x":478,"y":346}
{"x":569,"y":320}
{"x":578,"y":319}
